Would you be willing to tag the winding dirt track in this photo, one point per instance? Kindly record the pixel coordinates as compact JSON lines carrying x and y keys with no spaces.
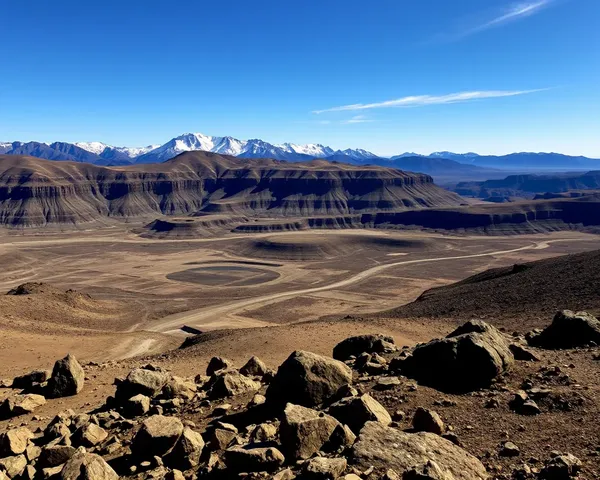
{"x":212,"y":317}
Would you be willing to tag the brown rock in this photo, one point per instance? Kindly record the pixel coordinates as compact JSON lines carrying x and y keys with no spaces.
{"x":67,"y":378}
{"x":426,"y":420}
{"x":157,"y":436}
{"x":356,"y":411}
{"x":240,"y":459}
{"x":187,"y":450}
{"x":321,"y":468}
{"x":13,"y":466}
{"x":15,"y":441}
{"x":254,"y":367}
{"x":87,"y":466}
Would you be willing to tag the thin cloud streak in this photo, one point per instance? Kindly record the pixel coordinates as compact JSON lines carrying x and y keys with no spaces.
{"x":517,"y":11}
{"x":357,"y":119}
{"x":425,"y":100}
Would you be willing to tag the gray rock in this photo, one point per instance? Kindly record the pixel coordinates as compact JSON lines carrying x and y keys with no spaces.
{"x":355,"y":346}
{"x":467,"y":359}
{"x":240,"y":459}
{"x":372,"y":448}
{"x":308,"y":379}
{"x":230,"y":384}
{"x":322,"y":468}
{"x":356,"y":411}
{"x":568,"y":330}
{"x":216,"y":364}
{"x":157,"y":436}
{"x":67,"y":378}
{"x":87,"y":466}
{"x":426,"y":420}
{"x":254,"y":367}
{"x":140,"y":381}
{"x":561,"y":467}
{"x":509,"y":449}
{"x":304,"y":431}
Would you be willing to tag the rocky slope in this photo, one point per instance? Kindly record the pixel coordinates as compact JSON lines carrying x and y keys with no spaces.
{"x":37,"y":192}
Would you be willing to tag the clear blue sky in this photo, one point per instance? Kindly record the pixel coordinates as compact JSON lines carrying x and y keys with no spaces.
{"x":133,"y":72}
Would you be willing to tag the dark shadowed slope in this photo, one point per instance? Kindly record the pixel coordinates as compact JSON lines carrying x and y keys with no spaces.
{"x":518,"y":297}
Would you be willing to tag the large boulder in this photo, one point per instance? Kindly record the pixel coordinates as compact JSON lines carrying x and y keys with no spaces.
{"x":254,"y":367}
{"x":354,"y":346}
{"x":467,"y":359}
{"x":141,"y":381}
{"x":303,"y":431}
{"x":308,"y":379}
{"x":373,"y":448}
{"x":157,"y":436}
{"x":67,"y":378}
{"x":87,"y":466}
{"x":187,"y":450}
{"x":356,"y":411}
{"x":568,"y":330}
{"x":230,"y":384}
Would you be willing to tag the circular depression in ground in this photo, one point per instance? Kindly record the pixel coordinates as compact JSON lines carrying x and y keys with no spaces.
{"x":225,"y":275}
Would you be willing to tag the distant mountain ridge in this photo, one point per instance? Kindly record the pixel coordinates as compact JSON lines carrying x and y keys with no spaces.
{"x":102,"y":154}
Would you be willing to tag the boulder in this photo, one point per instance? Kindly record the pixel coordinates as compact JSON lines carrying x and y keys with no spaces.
{"x":568,"y":330}
{"x":216,"y":364}
{"x":372,"y":448}
{"x":221,"y":439}
{"x":13,"y":466}
{"x":15,"y":441}
{"x":67,"y":378}
{"x":467,"y":359}
{"x":561,"y":467}
{"x":321,"y":468}
{"x":522,"y":353}
{"x":55,"y":455}
{"x":21,"y":404}
{"x":304,"y":431}
{"x":254,"y":367}
{"x":177,"y":387}
{"x":426,"y":420}
{"x":356,"y":411}
{"x":136,"y":406}
{"x":157,"y":436}
{"x":87,"y":466}
{"x":141,"y":381}
{"x":240,"y":459}
{"x":308,"y":379}
{"x":90,"y":435}
{"x":187,"y":450}
{"x":230,"y":384}
{"x":29,"y":380}
{"x":265,"y":432}
{"x":355,"y":346}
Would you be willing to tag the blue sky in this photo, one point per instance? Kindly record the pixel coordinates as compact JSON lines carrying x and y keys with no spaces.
{"x":491,"y":76}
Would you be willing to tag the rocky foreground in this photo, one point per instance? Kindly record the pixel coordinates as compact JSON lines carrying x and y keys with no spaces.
{"x":318,"y":417}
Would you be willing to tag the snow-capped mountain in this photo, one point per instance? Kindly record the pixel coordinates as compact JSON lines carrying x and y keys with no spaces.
{"x":454,"y":156}
{"x":104,"y":154}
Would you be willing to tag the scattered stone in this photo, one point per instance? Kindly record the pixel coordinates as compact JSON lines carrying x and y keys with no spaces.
{"x":13,"y":466}
{"x":254,"y":367}
{"x":187,"y":450}
{"x":221,"y":439}
{"x":53,"y":456}
{"x":15,"y":441}
{"x":568,"y":330}
{"x":90,"y":435}
{"x":356,"y":411}
{"x":387,"y":383}
{"x":240,"y":459}
{"x":322,"y":468}
{"x":522,"y":353}
{"x":426,"y":420}
{"x":158,"y":435}
{"x":87,"y":466}
{"x":304,"y":431}
{"x":355,"y":346}
{"x":509,"y":449}
{"x":67,"y":378}
{"x":179,"y":388}
{"x":21,"y":405}
{"x":231,"y":384}
{"x":467,"y":359}
{"x":216,"y":364}
{"x":31,"y":379}
{"x":140,"y":381}
{"x":136,"y":406}
{"x":265,"y":432}
{"x":308,"y":379}
{"x":561,"y":467}
{"x":372,"y":448}
{"x":258,"y":399}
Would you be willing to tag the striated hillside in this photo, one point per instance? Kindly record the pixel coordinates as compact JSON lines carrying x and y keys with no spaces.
{"x":38,"y":192}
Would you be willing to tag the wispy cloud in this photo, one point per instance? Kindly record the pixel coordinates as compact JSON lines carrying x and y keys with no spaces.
{"x":515,"y":12}
{"x":424,"y":100}
{"x":357,"y":119}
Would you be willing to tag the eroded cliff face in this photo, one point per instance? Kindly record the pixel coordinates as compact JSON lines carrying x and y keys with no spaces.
{"x":36,"y":192}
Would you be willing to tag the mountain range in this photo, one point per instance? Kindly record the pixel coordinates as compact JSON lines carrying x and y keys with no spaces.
{"x":436,"y":163}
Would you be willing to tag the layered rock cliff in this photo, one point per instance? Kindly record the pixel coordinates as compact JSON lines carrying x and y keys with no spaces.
{"x":36,"y":192}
